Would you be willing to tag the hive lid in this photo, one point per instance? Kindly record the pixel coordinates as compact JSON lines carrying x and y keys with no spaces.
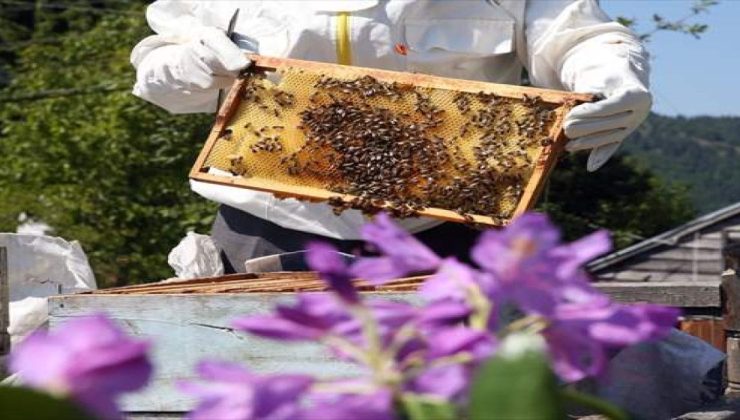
{"x":279,"y":282}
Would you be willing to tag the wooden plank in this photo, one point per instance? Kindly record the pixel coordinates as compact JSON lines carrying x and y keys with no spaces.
{"x":733,"y":365}
{"x":224,"y":114}
{"x":708,"y":329}
{"x":677,"y":253}
{"x":682,"y":253}
{"x":4,"y":303}
{"x":420,"y":79}
{"x":682,"y":294}
{"x":545,"y":164}
{"x":653,"y":277}
{"x":188,"y":328}
{"x":713,"y":267}
{"x":731,"y":300}
{"x":318,"y":194}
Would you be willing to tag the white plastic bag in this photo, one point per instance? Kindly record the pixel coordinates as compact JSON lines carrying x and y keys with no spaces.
{"x":38,"y":267}
{"x":195,"y":256}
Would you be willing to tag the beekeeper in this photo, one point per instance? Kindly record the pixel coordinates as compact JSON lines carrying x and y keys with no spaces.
{"x":563,"y":44}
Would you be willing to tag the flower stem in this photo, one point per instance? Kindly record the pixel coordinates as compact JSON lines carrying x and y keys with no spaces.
{"x":482,"y":308}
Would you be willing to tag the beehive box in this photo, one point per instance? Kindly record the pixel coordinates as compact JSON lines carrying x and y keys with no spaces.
{"x":189,"y":320}
{"x":370,"y":139}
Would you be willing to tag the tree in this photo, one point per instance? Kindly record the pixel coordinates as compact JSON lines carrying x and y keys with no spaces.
{"x":623,"y":197}
{"x":90,"y":159}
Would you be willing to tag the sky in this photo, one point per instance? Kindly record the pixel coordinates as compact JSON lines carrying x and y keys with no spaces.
{"x":690,"y":76}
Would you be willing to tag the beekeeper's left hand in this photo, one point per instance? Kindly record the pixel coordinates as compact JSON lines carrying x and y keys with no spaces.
{"x":601,"y":126}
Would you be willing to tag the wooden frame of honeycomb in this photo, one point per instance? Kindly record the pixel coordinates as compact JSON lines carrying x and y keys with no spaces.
{"x":474,"y":152}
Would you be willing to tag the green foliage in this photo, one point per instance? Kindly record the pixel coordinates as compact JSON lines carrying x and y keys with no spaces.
{"x":622,"y":196}
{"x":23,"y":404}
{"x":518,"y":383}
{"x":680,"y":25}
{"x":516,"y":387}
{"x":416,"y":407}
{"x":103,"y":168}
{"x":701,"y":152}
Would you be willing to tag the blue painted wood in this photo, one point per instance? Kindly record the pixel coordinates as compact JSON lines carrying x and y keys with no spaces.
{"x":189,"y":328}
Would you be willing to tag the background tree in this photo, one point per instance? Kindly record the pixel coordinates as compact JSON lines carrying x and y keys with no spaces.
{"x":81,"y":153}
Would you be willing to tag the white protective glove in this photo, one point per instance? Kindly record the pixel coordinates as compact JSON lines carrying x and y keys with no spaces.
{"x":601,"y":126}
{"x":610,"y":61}
{"x":211,"y":60}
{"x":184,"y":76}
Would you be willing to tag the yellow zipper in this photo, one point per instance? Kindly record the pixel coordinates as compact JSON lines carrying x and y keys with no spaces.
{"x":344,"y":50}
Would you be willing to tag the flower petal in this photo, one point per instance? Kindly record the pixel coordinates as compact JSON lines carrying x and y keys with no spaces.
{"x":452,"y":280}
{"x":276,"y":327}
{"x":330,"y":265}
{"x":90,"y":359}
{"x":377,"y":270}
{"x":405,"y":250}
{"x":581,"y":251}
{"x":375,"y":406}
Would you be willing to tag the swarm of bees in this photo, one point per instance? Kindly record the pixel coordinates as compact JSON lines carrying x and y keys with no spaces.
{"x":401,"y":162}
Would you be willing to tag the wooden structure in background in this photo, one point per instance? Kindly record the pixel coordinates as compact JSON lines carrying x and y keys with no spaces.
{"x":692,"y":252}
{"x":704,"y":249}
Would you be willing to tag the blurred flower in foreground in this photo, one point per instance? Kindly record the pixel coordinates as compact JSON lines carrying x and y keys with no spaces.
{"x":228,"y":391}
{"x":431,"y":350}
{"x":89,"y":360}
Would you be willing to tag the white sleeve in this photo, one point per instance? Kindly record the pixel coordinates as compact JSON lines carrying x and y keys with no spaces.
{"x":574,"y":45}
{"x":159,"y":59}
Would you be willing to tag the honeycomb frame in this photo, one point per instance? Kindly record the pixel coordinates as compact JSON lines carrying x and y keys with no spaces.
{"x":542,"y":158}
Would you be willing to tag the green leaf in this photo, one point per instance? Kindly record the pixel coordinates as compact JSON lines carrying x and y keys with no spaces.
{"x":598,"y":405}
{"x":516,"y":387}
{"x":417,"y":407}
{"x":23,"y":404}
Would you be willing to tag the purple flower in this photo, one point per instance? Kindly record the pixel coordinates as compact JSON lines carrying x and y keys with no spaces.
{"x":450,"y":341}
{"x":374,"y":406}
{"x":402,"y":253}
{"x":618,"y":325}
{"x":443,"y":313}
{"x":574,"y":356}
{"x":448,"y":382}
{"x":532,"y":269}
{"x":325,"y":259}
{"x":577,"y":253}
{"x":449,"y":379}
{"x":452,"y":280}
{"x":228,"y":391}
{"x":581,"y":335}
{"x":525,"y":242}
{"x":89,"y":359}
{"x":316,"y":316}
{"x":312,"y":317}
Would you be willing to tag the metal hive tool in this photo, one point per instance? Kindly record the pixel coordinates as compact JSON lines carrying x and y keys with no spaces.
{"x":370,"y":139}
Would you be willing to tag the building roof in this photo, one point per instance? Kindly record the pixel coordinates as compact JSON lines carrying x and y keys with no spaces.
{"x":671,"y":237}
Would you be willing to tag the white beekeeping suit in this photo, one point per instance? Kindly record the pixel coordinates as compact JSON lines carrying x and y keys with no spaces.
{"x":563,"y":44}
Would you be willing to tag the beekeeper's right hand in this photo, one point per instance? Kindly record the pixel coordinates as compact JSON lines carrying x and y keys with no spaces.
{"x":211,"y":61}
{"x":198,"y":68}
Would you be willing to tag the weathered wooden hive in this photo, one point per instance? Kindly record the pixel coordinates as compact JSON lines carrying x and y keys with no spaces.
{"x":190,"y":320}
